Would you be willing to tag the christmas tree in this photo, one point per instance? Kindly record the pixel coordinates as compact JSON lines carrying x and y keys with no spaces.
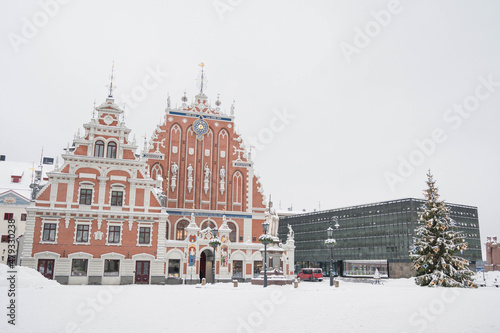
{"x":437,"y":241}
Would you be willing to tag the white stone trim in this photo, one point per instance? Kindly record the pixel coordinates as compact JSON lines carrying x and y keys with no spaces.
{"x":145,"y":225}
{"x":114,"y":224}
{"x":87,"y":186}
{"x":49,"y":221}
{"x":79,"y":222}
{"x":117,"y":188}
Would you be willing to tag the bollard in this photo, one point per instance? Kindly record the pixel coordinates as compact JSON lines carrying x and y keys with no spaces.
{"x":295,"y":283}
{"x":336,"y":282}
{"x":298,"y":280}
{"x":203,"y":281}
{"x":235,"y":283}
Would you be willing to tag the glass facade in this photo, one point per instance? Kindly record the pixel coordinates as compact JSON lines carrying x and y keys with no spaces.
{"x":380,"y":231}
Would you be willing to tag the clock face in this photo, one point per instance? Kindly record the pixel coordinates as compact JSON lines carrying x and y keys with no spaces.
{"x":200,"y":127}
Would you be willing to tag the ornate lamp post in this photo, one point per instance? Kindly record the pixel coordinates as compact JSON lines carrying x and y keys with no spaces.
{"x":330,"y":242}
{"x":214,"y":242}
{"x":265,"y":239}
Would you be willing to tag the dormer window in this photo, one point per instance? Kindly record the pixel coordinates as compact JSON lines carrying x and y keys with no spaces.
{"x":15,"y":179}
{"x":99,"y":149}
{"x":111,"y":151}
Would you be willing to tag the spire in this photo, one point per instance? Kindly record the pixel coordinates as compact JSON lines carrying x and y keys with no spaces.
{"x":202,"y":77}
{"x":111,"y":83}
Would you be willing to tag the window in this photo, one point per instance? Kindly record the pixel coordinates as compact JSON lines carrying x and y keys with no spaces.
{"x":8,"y":216}
{"x":5,"y":238}
{"x":114,"y":234}
{"x":144,"y":233}
{"x":111,"y":152}
{"x":156,"y":171}
{"x":173,"y":268}
{"x":232,"y":234}
{"x":207,"y":224}
{"x":116,"y":198}
{"x":181,"y":230}
{"x":49,"y":232}
{"x":111,"y":267}
{"x":167,"y":231}
{"x":99,"y":149}
{"x":79,"y":267}
{"x":257,"y":267}
{"x":23,"y":217}
{"x":237,"y":268}
{"x":82,"y":233}
{"x":85,"y":196}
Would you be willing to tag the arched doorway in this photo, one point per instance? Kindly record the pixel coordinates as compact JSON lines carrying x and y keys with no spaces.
{"x":206,"y":259}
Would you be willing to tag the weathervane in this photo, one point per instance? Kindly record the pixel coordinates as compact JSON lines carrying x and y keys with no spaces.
{"x":111,"y":83}
{"x":202,"y":77}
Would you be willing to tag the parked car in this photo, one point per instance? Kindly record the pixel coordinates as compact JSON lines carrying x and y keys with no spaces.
{"x":311,"y":274}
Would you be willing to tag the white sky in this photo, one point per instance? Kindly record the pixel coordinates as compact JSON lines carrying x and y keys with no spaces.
{"x":353,"y":121}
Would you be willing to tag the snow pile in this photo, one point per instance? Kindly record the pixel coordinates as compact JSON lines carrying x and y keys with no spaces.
{"x":492,"y":278}
{"x":25,"y":277}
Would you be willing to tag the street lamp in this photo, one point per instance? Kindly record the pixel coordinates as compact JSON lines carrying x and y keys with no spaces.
{"x":330,"y":242}
{"x":214,"y":242}
{"x":265,"y":239}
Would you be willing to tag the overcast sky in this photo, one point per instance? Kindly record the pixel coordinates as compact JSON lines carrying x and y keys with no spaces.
{"x":346,"y":102}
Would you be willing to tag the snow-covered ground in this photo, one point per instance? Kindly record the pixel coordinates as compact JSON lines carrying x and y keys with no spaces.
{"x":396,"y":306}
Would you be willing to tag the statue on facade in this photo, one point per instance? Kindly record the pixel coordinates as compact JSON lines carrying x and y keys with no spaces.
{"x":190,"y":178}
{"x":174,"y":169}
{"x":207,"y":178}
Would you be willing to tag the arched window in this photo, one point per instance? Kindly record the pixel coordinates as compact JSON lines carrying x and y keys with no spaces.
{"x":99,"y":149}
{"x":167,"y":231}
{"x":207,"y":224}
{"x":232,"y":235}
{"x":156,"y":171}
{"x":181,"y":233}
{"x":111,"y":152}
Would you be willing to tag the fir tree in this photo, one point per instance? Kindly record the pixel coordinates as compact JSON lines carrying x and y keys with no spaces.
{"x":436,"y":243}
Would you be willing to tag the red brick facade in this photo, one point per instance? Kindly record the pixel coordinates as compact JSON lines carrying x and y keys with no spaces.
{"x":108,"y":216}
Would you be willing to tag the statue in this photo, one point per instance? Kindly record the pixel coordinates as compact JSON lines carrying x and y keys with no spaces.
{"x":222,"y":173}
{"x":207,"y":179}
{"x":190,"y":178}
{"x":273,"y":220}
{"x":291,"y":233}
{"x":207,"y":172}
{"x":174,"y":169}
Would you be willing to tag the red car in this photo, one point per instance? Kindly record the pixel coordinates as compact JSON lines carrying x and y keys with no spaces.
{"x":311,"y":274}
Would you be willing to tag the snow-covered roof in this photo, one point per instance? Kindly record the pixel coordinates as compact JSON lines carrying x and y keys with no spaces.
{"x":17,"y":176}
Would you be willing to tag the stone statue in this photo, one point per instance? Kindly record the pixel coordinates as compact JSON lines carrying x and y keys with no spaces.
{"x":174,"y":169}
{"x":190,"y":178}
{"x":222,"y":173}
{"x":273,"y":220}
{"x":291,"y":233}
{"x":207,"y":172}
{"x":207,"y":179}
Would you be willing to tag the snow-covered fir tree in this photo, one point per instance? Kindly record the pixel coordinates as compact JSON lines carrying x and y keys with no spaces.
{"x":435,"y":244}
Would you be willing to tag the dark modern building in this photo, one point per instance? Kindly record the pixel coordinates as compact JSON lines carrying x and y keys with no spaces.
{"x":372,"y":236}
